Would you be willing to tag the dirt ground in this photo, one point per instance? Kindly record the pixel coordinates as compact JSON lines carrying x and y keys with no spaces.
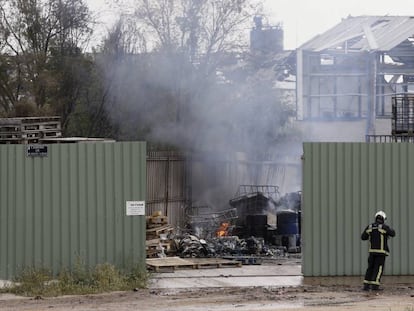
{"x":305,"y":297}
{"x":319,"y":294}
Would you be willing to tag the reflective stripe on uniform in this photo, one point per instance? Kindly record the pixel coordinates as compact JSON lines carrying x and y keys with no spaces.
{"x":377,"y":279}
{"x":378,"y":251}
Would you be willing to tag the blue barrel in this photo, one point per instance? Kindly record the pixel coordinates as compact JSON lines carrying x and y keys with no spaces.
{"x":287,"y":223}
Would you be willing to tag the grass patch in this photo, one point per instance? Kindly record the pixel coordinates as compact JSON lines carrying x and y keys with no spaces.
{"x":79,"y":281}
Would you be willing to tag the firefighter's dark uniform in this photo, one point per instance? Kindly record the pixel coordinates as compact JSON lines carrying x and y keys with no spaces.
{"x":378,"y":234}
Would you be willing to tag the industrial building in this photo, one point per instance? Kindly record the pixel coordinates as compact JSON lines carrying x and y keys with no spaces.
{"x":347,"y":76}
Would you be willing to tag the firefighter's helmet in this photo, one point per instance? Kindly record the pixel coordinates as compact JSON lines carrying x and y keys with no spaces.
{"x":380,"y":214}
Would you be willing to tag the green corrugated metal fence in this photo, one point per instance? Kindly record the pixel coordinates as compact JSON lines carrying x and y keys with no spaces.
{"x":71,"y":205}
{"x":344,"y":184}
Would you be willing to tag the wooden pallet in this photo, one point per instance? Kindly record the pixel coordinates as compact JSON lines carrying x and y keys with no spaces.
{"x":214,"y":263}
{"x":29,"y":130}
{"x":173,"y":263}
{"x":157,"y":220}
{"x":154,"y":233}
{"x":30,"y":135}
{"x":160,"y":229}
{"x":165,"y":246}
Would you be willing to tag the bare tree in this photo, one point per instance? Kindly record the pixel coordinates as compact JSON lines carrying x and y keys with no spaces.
{"x":198,"y":28}
{"x":193,"y":37}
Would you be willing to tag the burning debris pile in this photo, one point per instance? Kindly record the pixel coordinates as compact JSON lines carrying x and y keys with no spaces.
{"x":192,"y":246}
{"x":223,"y":245}
{"x":259,"y":223}
{"x":189,"y":245}
{"x":204,"y":222}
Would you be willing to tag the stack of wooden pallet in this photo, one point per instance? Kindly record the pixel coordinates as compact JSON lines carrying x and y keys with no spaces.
{"x":29,"y":130}
{"x":158,"y":243}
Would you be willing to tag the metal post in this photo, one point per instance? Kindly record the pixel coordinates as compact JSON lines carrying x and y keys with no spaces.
{"x":372,"y":95}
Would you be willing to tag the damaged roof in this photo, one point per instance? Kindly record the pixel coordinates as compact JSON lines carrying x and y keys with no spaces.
{"x":364,"y":33}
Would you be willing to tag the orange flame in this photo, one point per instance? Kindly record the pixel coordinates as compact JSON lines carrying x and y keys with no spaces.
{"x":223,"y":229}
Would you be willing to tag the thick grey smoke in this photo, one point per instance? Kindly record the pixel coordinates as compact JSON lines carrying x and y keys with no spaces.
{"x":230,"y":117}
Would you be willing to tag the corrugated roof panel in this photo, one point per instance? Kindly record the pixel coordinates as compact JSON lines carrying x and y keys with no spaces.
{"x":399,"y":34}
{"x":387,"y":31}
{"x":390,"y":34}
{"x":349,"y":28}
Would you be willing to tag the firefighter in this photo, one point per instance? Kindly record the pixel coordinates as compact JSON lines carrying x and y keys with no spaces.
{"x":378,"y":234}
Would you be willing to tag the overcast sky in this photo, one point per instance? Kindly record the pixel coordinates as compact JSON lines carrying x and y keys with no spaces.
{"x":304,"y":19}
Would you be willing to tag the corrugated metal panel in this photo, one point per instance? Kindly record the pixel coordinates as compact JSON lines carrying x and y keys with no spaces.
{"x":348,"y":29}
{"x":344,"y":184}
{"x":167,"y":185}
{"x":71,"y":205}
{"x":387,"y":32}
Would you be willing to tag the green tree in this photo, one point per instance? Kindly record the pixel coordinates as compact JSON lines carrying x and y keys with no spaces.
{"x":41,"y":39}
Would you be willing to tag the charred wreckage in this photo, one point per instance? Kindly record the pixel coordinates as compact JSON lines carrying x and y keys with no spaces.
{"x":258,"y":223}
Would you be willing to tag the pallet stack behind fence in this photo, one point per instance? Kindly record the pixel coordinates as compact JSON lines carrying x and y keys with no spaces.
{"x":29,"y":130}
